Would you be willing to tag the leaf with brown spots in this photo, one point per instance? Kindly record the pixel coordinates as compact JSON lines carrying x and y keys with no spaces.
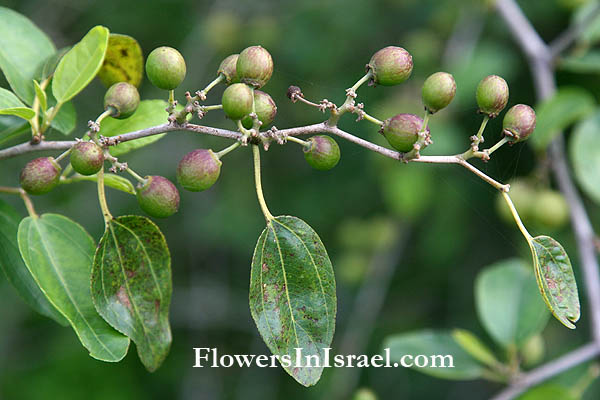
{"x":131,"y":285}
{"x":124,"y":61}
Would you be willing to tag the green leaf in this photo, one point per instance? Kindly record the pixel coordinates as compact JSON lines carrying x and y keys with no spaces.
{"x":472,"y":345}
{"x":591,"y":32}
{"x":585,"y":155}
{"x":112,"y":180}
{"x":588,"y":63}
{"x":21,"y":112}
{"x":508,"y":304}
{"x":149,"y":113}
{"x":80,"y":65}
{"x":555,"y":279}
{"x":566,"y":107}
{"x":440,"y":344}
{"x":549,"y":391}
{"x":22,"y":46}
{"x":65,"y":120}
{"x":58,"y":252}
{"x":12,"y":127}
{"x":15,"y":270}
{"x":47,"y":68}
{"x":292,"y":293}
{"x":41,"y":95}
{"x":124,"y":61}
{"x":131,"y":285}
{"x":9,"y":100}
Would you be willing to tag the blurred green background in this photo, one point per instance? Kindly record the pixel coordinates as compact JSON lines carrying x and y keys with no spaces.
{"x":406,"y":241}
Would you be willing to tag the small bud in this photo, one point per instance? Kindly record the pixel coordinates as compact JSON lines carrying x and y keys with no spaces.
{"x":237,"y":101}
{"x":254,"y":66}
{"x":87,"y":158}
{"x":390,"y":66}
{"x":265,"y":110}
{"x":293,"y":92}
{"x":228,"y":69}
{"x":124,"y":98}
{"x":40,"y":176}
{"x":158,"y":197}
{"x":518,"y":123}
{"x":402,"y":131}
{"x":438,"y":91}
{"x":165,"y":68}
{"x":492,"y":95}
{"x":323,"y":153}
{"x":198,"y":170}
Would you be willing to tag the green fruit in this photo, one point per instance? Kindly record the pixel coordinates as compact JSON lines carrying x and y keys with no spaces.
{"x":322,"y":153}
{"x":198,"y":170}
{"x":265,"y":108}
{"x":522,"y":195}
{"x":551,"y":210}
{"x":364,"y":394}
{"x":254,"y":66}
{"x":438,"y":91}
{"x":165,"y":68}
{"x":518,"y":123}
{"x":402,"y":131}
{"x":124,"y":98}
{"x":87,"y":158}
{"x":158,"y":197}
{"x":228,"y":69}
{"x":40,"y":176}
{"x":492,"y":95}
{"x":533,"y":350}
{"x":390,"y":66}
{"x":237,"y":101}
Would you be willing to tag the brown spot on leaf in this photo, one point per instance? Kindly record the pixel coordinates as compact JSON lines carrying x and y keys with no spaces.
{"x":265,"y":268}
{"x":123,"y":298}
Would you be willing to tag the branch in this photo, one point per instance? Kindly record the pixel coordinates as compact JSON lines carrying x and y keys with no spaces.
{"x":565,"y":39}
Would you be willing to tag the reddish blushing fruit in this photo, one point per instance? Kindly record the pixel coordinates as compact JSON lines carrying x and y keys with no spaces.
{"x":40,"y":176}
{"x":87,"y":158}
{"x":254,"y":66}
{"x":322,"y":152}
{"x":237,"y":101}
{"x":518,"y":123}
{"x":198,"y":170}
{"x":228,"y":69}
{"x":402,"y":131}
{"x":390,"y":66}
{"x":158,"y":197}
{"x":492,"y":95}
{"x":438,"y":91}
{"x":165,"y":68}
{"x":265,"y":108}
{"x":124,"y":98}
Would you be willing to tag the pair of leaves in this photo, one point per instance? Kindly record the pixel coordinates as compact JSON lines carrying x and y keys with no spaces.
{"x":292,"y":294}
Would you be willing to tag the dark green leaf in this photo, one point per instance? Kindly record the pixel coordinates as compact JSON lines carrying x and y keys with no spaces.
{"x":585,"y":156}
{"x":588,"y":63}
{"x":80,"y":65}
{"x":58,"y":252}
{"x":66,"y":119}
{"x":440,"y":344}
{"x":131,"y":285}
{"x":12,"y":127}
{"x":556,"y":280}
{"x":549,"y":391}
{"x":508,"y":304}
{"x":124,"y":61}
{"x":292,"y":293}
{"x":47,"y":68}
{"x":15,"y":270}
{"x":22,"y":47}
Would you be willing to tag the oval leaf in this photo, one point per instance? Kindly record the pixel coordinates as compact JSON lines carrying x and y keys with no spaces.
{"x":80,"y":65}
{"x":21,"y":112}
{"x":507,"y":302}
{"x":131,"y":285}
{"x":15,"y":270}
{"x":549,"y":391}
{"x":22,"y":47}
{"x":149,"y":113}
{"x":585,"y":156}
{"x":588,"y":63}
{"x":9,"y":100}
{"x":439,"y":344}
{"x":567,"y":106}
{"x":124,"y":61}
{"x":12,"y":127}
{"x":475,"y":347}
{"x":58,"y":252}
{"x":556,"y":280}
{"x":112,"y":180}
{"x":292,"y":293}
{"x":47,"y":68}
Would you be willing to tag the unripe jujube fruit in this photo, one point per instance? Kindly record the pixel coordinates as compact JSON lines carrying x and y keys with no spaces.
{"x":438,"y":91}
{"x":322,"y":153}
{"x":124,"y":98}
{"x":87,"y":158}
{"x":40,"y":176}
{"x":518,"y":123}
{"x":165,"y":68}
{"x":237,"y":101}
{"x":228,"y":69}
{"x":390,"y":66}
{"x":492,"y":95}
{"x":254,"y":66}
{"x":401,"y":131}
{"x":198,"y":170}
{"x":551,"y":209}
{"x":158,"y":197}
{"x":265,"y":109}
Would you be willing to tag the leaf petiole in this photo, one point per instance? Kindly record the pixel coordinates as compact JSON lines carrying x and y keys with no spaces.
{"x":257,"y":180}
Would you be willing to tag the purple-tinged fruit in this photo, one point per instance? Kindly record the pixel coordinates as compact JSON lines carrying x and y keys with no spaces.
{"x":402,"y":131}
{"x":158,"y":197}
{"x":198,"y":170}
{"x":124,"y":98}
{"x":87,"y":158}
{"x":165,"y":68}
{"x":254,"y":66}
{"x":40,"y":176}
{"x":265,"y":108}
{"x":237,"y":101}
{"x":492,"y":95}
{"x":518,"y":123}
{"x":323,"y":153}
{"x":390,"y":66}
{"x":228,"y":69}
{"x":438,"y":91}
